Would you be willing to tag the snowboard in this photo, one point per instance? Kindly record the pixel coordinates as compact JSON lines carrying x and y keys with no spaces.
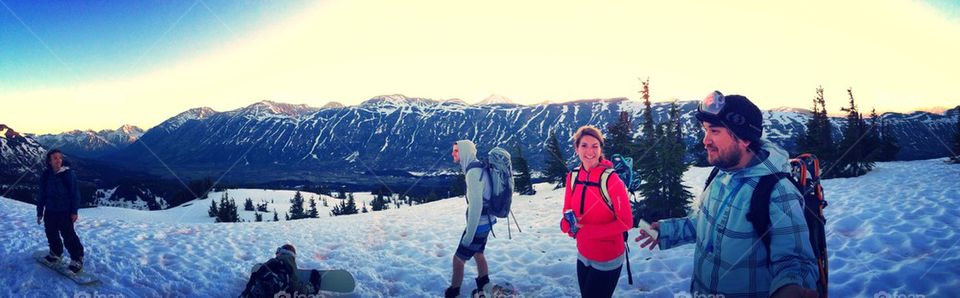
{"x":497,"y":291}
{"x":338,"y":281}
{"x":81,"y":278}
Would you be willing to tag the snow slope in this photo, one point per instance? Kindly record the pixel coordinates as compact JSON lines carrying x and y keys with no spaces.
{"x":892,"y":231}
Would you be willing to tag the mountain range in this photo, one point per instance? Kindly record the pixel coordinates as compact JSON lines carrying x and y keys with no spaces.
{"x":390,"y":139}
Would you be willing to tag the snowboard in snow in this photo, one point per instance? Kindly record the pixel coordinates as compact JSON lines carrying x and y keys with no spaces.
{"x":338,"y":281}
{"x":81,"y":278}
{"x":498,"y":291}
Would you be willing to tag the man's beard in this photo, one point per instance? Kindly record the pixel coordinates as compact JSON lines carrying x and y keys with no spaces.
{"x":725,"y":160}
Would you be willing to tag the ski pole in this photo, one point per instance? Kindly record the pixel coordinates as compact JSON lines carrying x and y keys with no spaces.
{"x":515,"y":221}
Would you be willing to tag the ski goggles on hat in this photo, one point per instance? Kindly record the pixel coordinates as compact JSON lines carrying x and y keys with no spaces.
{"x":712,"y":104}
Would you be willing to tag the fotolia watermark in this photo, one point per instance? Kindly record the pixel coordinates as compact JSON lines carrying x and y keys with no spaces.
{"x":895,"y":294}
{"x":284,"y":294}
{"x":95,"y":294}
{"x":685,"y":294}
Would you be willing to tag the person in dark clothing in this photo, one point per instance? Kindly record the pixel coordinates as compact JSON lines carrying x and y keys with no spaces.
{"x":57,"y":203}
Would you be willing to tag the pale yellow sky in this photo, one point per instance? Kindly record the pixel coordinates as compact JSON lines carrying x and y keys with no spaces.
{"x":897,"y":56}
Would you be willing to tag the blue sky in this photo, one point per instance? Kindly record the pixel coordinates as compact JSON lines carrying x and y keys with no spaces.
{"x":105,"y":40}
{"x":98,"y":65}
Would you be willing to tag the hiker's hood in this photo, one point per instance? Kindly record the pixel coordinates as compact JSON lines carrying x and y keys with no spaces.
{"x":468,"y":153}
{"x":771,"y":159}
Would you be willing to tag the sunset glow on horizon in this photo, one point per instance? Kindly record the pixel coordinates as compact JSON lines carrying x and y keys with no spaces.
{"x":61,"y":72}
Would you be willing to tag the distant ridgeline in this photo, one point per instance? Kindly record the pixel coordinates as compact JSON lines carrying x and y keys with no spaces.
{"x":403,"y":143}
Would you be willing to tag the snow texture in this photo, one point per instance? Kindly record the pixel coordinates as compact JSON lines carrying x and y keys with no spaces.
{"x":892,"y":231}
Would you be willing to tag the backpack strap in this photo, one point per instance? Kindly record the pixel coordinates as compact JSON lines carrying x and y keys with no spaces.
{"x":759,"y":212}
{"x":604,"y":192}
{"x":713,"y":174}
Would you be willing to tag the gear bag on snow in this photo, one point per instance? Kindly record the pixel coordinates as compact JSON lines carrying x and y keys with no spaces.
{"x":273,"y":277}
{"x":805,"y":176}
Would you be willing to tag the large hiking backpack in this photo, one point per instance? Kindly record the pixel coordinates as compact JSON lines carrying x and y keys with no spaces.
{"x":273,"y":277}
{"x":499,"y":168}
{"x":605,"y":194}
{"x":805,"y":176}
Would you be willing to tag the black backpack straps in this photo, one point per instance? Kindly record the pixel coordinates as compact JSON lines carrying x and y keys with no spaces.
{"x":626,"y":246}
{"x":759,"y":213}
{"x":713,"y":174}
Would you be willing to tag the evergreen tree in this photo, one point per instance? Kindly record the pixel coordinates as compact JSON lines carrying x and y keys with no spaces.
{"x":348,"y":206}
{"x":296,"y":207}
{"x":556,"y":163}
{"x":286,"y":216}
{"x":647,"y":162}
{"x":676,"y":196}
{"x":522,"y":181}
{"x":956,"y":139}
{"x":313,"y":213}
{"x":618,"y":139}
{"x":262,"y":207}
{"x":853,"y":162}
{"x":228,"y":210}
{"x":379,"y":203}
{"x":257,"y":216}
{"x":213,"y":211}
{"x":889,"y":145}
{"x":697,"y":150}
{"x":248,"y":205}
{"x":276,"y":216}
{"x":871,"y":140}
{"x":364,"y":210}
{"x":818,"y":137}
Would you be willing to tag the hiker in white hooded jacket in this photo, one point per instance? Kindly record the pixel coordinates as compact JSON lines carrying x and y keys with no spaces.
{"x":474,"y":238}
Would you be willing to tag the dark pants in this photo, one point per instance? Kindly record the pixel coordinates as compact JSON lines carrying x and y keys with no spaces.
{"x":597,"y":283}
{"x":57,"y":225}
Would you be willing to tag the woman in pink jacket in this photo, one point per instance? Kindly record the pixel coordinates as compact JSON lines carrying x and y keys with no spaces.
{"x":599,"y":225}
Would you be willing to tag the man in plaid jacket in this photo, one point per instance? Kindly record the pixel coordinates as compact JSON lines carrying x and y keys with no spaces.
{"x":730,"y":258}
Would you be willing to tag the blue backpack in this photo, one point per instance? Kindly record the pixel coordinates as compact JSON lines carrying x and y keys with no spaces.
{"x":499,"y":168}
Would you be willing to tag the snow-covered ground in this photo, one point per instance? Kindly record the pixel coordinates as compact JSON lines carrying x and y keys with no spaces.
{"x":196,"y":211}
{"x":892,"y":231}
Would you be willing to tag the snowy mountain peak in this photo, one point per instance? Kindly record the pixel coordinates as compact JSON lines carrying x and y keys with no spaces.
{"x":455,"y":101}
{"x":197,"y":113}
{"x":18,"y":153}
{"x":397,"y":100}
{"x":278,"y":108}
{"x":333,"y":105}
{"x":191,"y":114}
{"x":495,"y":99}
{"x":130,"y":129}
{"x":789,"y":109}
{"x":6,"y":132}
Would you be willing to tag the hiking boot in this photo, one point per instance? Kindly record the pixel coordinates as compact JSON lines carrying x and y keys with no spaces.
{"x":52,"y":259}
{"x":452,"y":292}
{"x":483,"y":287}
{"x":76,"y":265}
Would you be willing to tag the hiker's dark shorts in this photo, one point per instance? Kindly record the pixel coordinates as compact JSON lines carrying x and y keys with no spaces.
{"x":479,"y":243}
